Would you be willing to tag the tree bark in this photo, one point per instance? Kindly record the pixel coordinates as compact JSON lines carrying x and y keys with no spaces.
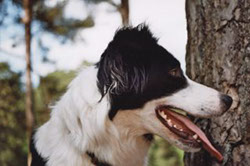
{"x":29,"y":96}
{"x":218,"y":55}
{"x":124,"y":10}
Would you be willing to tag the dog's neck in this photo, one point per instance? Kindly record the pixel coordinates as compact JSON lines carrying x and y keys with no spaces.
{"x":124,"y":142}
{"x":133,"y":146}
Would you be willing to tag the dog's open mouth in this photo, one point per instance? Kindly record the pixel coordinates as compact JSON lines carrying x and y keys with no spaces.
{"x":185,"y":129}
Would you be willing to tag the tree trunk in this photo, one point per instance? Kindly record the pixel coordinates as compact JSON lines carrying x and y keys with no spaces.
{"x":29,"y":96}
{"x":218,"y":55}
{"x":124,"y":10}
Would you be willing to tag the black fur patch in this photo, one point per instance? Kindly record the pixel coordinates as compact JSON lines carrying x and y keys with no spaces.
{"x":134,"y":69}
{"x":37,"y":159}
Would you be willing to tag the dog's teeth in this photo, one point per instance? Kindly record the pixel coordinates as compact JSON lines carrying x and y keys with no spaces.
{"x":195,"y":136}
{"x":181,"y":129}
{"x":170,"y":123}
{"x":162,"y":114}
{"x":198,"y":140}
{"x":175,"y":126}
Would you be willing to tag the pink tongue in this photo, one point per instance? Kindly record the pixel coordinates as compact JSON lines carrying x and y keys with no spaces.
{"x":205,"y":142}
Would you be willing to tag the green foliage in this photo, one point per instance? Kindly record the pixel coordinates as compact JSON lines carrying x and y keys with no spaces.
{"x":164,"y":154}
{"x":13,"y":145}
{"x":12,"y":120}
{"x":52,"y":19}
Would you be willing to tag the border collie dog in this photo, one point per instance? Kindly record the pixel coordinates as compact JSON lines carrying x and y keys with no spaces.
{"x":111,"y":110}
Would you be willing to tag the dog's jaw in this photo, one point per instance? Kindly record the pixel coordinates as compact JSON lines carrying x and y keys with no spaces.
{"x":133,"y":146}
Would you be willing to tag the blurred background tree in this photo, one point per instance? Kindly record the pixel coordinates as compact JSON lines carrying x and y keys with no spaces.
{"x":29,"y":112}
{"x":121,"y":6}
{"x":13,"y":147}
{"x":47,"y":19}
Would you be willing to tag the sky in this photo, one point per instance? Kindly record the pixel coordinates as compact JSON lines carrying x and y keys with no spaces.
{"x":166,"y":19}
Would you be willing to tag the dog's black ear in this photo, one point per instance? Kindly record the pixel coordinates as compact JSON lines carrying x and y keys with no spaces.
{"x":123,"y":65}
{"x":117,"y":76}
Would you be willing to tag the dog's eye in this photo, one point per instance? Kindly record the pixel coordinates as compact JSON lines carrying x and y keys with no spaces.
{"x":176,"y":72}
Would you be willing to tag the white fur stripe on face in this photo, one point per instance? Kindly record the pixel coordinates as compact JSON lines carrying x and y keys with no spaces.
{"x":196,"y":99}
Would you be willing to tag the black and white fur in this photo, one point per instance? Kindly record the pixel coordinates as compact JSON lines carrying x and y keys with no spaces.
{"x":109,"y":108}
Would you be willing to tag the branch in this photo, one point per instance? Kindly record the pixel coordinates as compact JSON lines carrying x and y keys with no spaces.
{"x":113,"y":4}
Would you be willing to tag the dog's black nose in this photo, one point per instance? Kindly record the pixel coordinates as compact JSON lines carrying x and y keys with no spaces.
{"x":226,"y":101}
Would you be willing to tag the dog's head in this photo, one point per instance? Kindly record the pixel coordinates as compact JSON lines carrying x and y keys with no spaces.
{"x":142,"y":78}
